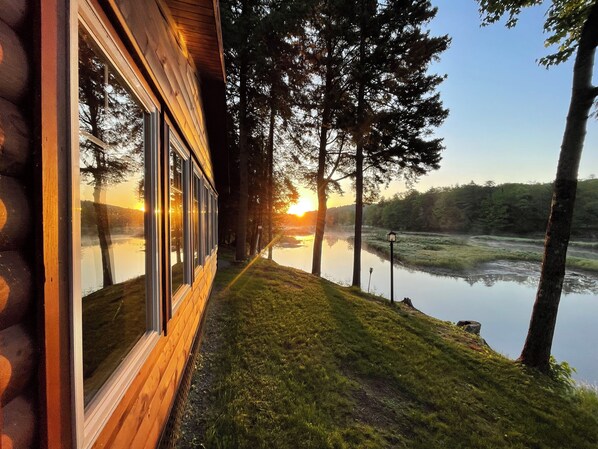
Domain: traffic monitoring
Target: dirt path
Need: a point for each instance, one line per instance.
(192, 427)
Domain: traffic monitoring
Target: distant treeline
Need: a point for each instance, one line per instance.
(120, 219)
(476, 209)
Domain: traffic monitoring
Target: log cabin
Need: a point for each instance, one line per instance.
(111, 112)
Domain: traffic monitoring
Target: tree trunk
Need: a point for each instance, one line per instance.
(536, 351)
(270, 174)
(358, 216)
(321, 182)
(241, 244)
(360, 131)
(103, 227)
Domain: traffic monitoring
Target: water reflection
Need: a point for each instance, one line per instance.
(500, 295)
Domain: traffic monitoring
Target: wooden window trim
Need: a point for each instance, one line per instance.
(174, 141)
(52, 122)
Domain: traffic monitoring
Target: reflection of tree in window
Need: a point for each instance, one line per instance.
(196, 228)
(111, 157)
(207, 223)
(177, 243)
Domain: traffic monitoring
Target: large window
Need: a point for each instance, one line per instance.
(197, 260)
(206, 221)
(113, 229)
(115, 264)
(179, 217)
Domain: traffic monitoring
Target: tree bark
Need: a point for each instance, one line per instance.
(321, 182)
(536, 351)
(241, 244)
(360, 131)
(358, 216)
(270, 173)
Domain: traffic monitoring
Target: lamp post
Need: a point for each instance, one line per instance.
(392, 237)
(370, 281)
(259, 238)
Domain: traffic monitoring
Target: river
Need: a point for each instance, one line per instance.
(499, 295)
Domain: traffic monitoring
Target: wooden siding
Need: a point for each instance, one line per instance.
(141, 415)
(173, 72)
(199, 22)
(18, 355)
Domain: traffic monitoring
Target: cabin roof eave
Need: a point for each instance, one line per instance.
(198, 22)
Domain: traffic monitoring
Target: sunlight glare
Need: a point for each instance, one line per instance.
(302, 206)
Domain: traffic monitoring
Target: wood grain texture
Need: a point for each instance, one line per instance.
(19, 419)
(199, 21)
(17, 362)
(15, 288)
(52, 229)
(14, 139)
(14, 67)
(173, 71)
(13, 12)
(14, 214)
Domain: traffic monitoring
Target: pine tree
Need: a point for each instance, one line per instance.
(395, 100)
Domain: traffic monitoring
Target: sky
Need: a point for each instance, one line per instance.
(507, 113)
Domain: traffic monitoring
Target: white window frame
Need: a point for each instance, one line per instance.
(206, 224)
(175, 143)
(89, 421)
(197, 174)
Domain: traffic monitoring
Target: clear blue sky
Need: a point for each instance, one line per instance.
(507, 113)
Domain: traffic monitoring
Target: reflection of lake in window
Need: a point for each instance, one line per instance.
(177, 236)
(113, 231)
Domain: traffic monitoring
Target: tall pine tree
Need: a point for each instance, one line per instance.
(395, 103)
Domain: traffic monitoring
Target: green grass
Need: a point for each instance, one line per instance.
(461, 253)
(303, 363)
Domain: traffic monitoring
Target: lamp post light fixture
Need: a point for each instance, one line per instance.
(392, 237)
(259, 238)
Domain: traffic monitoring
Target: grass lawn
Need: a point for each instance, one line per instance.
(294, 361)
(461, 252)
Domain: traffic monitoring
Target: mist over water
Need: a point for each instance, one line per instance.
(500, 295)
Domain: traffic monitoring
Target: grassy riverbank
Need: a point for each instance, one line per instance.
(461, 253)
(293, 361)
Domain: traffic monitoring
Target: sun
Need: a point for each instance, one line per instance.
(302, 206)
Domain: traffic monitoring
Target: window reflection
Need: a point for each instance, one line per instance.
(206, 223)
(113, 232)
(196, 229)
(177, 235)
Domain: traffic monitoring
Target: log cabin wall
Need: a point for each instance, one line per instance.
(34, 200)
(18, 339)
(142, 414)
(150, 35)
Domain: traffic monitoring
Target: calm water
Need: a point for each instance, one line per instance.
(126, 253)
(499, 295)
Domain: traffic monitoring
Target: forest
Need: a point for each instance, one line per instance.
(325, 91)
(505, 209)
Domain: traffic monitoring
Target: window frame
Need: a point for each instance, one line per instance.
(91, 419)
(197, 175)
(175, 142)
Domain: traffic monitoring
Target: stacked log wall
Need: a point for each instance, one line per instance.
(18, 348)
